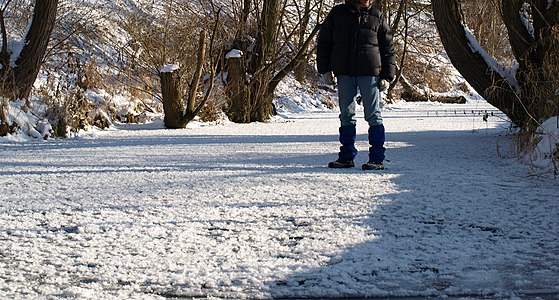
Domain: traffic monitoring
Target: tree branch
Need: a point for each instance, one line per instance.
(198, 73)
(293, 63)
(4, 55)
(520, 39)
(213, 71)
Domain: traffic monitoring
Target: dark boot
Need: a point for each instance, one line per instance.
(341, 164)
(376, 151)
(373, 166)
(347, 150)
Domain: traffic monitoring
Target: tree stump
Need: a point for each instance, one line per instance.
(239, 106)
(173, 105)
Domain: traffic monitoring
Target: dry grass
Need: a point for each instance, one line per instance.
(210, 112)
(426, 75)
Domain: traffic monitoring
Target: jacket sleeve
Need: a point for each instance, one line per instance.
(386, 47)
(324, 46)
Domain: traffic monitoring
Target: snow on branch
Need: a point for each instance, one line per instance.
(507, 73)
(526, 18)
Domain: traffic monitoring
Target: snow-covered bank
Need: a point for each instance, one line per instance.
(251, 211)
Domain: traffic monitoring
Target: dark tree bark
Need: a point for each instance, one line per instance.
(18, 81)
(248, 100)
(520, 39)
(173, 105)
(264, 60)
(237, 91)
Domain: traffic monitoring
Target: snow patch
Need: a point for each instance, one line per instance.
(526, 18)
(546, 154)
(234, 53)
(170, 68)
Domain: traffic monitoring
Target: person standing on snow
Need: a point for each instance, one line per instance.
(355, 45)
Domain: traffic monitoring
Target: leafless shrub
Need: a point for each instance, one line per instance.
(17, 14)
(543, 95)
(87, 48)
(68, 108)
(210, 112)
(418, 48)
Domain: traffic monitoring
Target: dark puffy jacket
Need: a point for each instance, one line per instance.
(356, 43)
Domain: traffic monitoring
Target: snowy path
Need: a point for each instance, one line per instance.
(251, 211)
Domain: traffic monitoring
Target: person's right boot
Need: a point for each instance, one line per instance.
(341, 164)
(348, 151)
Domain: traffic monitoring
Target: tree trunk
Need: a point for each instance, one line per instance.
(19, 81)
(262, 100)
(520, 39)
(4, 127)
(237, 91)
(533, 97)
(177, 114)
(173, 105)
(472, 65)
(264, 61)
(302, 65)
(191, 103)
(248, 100)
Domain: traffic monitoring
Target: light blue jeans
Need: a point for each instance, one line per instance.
(368, 87)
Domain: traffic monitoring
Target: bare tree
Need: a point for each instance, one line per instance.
(529, 96)
(251, 97)
(305, 13)
(19, 68)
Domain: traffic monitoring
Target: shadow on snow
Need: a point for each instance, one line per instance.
(461, 223)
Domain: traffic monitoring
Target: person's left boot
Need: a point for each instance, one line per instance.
(376, 149)
(373, 166)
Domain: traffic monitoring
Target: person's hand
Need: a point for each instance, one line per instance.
(328, 78)
(383, 85)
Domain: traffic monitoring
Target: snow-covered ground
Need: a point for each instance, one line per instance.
(252, 211)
